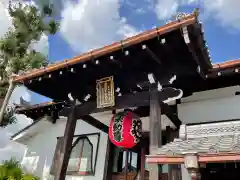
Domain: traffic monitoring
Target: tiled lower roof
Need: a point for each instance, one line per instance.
(220, 137)
(203, 145)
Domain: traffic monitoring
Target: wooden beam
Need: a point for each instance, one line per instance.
(140, 100)
(152, 54)
(122, 102)
(155, 132)
(204, 49)
(142, 111)
(191, 49)
(94, 122)
(66, 147)
(155, 122)
(169, 112)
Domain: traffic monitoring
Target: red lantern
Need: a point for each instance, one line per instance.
(125, 129)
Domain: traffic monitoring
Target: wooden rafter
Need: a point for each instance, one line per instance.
(140, 100)
(94, 122)
(152, 54)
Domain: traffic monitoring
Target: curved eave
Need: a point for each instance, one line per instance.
(164, 52)
(40, 110)
(191, 19)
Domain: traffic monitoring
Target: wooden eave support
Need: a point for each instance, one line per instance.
(169, 111)
(140, 99)
(94, 122)
(152, 54)
(122, 102)
(214, 73)
(187, 40)
(201, 44)
(171, 115)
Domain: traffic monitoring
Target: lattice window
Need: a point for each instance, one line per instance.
(83, 156)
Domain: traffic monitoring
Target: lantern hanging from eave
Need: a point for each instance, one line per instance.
(125, 129)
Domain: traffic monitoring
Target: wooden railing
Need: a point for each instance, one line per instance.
(133, 176)
(121, 176)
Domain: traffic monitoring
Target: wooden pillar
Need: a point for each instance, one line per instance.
(126, 164)
(155, 133)
(174, 171)
(66, 147)
(143, 159)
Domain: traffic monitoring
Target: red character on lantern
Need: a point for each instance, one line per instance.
(125, 129)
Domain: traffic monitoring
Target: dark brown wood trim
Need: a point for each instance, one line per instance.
(169, 112)
(142, 168)
(155, 132)
(66, 147)
(207, 158)
(123, 102)
(140, 99)
(94, 122)
(83, 135)
(107, 158)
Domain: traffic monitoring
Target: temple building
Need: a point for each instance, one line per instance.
(152, 106)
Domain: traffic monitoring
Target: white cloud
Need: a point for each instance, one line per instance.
(4, 20)
(225, 12)
(41, 45)
(90, 24)
(166, 8)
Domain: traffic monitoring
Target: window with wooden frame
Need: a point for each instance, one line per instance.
(83, 156)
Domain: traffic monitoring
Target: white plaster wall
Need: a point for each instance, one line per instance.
(208, 106)
(40, 151)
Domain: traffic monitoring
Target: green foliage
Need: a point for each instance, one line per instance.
(28, 27)
(11, 170)
(16, 52)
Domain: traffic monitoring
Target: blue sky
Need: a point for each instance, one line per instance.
(86, 25)
(222, 40)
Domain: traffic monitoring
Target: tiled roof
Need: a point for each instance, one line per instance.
(189, 19)
(203, 145)
(221, 137)
(40, 105)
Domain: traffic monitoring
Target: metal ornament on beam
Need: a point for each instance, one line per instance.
(105, 92)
